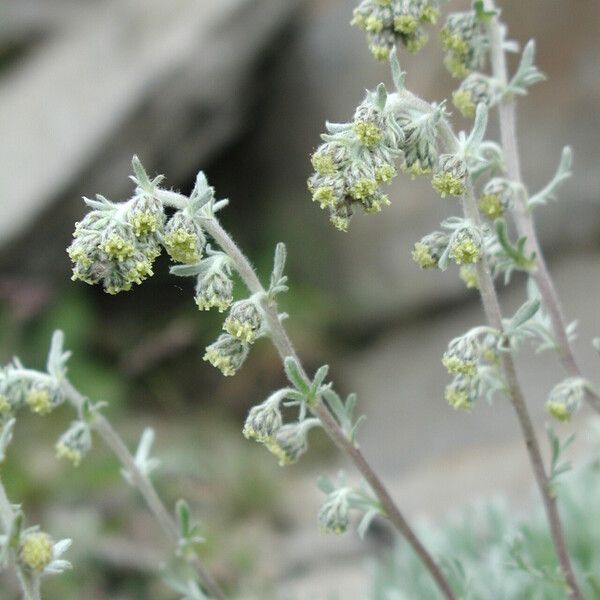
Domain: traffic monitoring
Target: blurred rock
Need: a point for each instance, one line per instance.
(104, 79)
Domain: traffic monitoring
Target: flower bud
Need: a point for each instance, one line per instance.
(227, 354)
(244, 320)
(214, 288)
(429, 250)
(36, 551)
(264, 421)
(75, 443)
(290, 441)
(184, 240)
(462, 393)
(334, 513)
(420, 144)
(464, 42)
(466, 245)
(497, 197)
(475, 89)
(462, 356)
(389, 23)
(566, 397)
(449, 180)
(42, 399)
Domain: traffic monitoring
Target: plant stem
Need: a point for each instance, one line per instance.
(142, 482)
(7, 517)
(494, 315)
(285, 348)
(522, 215)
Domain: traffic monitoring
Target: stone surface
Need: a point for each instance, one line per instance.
(115, 77)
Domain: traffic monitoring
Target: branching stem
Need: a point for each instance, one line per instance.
(285, 348)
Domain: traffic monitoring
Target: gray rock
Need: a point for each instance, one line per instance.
(118, 76)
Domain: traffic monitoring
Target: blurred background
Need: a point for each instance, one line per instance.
(241, 89)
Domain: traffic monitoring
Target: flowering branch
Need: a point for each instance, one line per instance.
(521, 212)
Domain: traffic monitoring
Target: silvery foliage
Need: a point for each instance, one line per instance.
(144, 462)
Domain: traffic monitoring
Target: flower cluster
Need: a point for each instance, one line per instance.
(21, 387)
(116, 243)
(566, 397)
(468, 358)
(243, 325)
(355, 160)
(464, 244)
(465, 42)
(389, 22)
(264, 424)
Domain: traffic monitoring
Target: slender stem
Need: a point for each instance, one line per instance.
(522, 215)
(494, 315)
(285, 348)
(142, 482)
(30, 589)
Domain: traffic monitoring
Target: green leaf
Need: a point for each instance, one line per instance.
(381, 96)
(295, 376)
(141, 177)
(479, 127)
(485, 16)
(183, 516)
(524, 314)
(398, 75)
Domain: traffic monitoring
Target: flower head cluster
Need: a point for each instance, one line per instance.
(475, 89)
(466, 359)
(243, 325)
(465, 42)
(116, 244)
(389, 22)
(497, 197)
(566, 397)
(287, 441)
(21, 387)
(355, 160)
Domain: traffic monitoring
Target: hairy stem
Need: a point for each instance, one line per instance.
(494, 315)
(285, 348)
(522, 215)
(143, 484)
